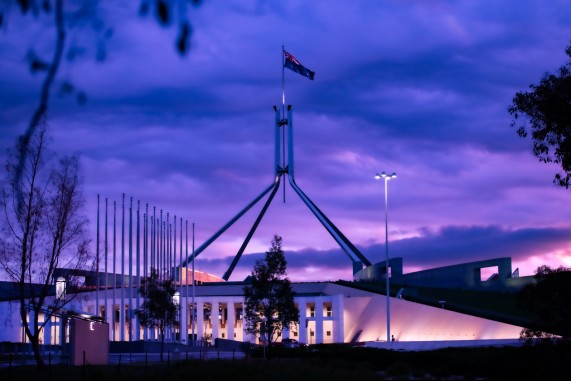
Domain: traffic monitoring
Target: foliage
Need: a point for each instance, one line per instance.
(549, 301)
(38, 211)
(165, 11)
(159, 309)
(42, 230)
(548, 109)
(269, 301)
(531, 336)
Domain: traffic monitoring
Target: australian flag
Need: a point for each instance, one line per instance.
(292, 63)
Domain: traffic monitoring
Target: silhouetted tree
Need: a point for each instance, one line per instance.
(549, 301)
(269, 301)
(159, 309)
(547, 107)
(42, 229)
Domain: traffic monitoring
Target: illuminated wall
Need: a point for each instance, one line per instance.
(329, 313)
(417, 322)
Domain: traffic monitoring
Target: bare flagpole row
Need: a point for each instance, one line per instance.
(150, 242)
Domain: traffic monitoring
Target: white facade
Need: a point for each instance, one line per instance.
(329, 313)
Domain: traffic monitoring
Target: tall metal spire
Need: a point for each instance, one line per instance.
(281, 169)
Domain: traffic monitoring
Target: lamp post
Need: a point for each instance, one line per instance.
(386, 177)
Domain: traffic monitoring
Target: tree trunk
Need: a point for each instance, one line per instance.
(34, 340)
(269, 341)
(33, 337)
(162, 329)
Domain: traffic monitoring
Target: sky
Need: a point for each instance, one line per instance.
(420, 88)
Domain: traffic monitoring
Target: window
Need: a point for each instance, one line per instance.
(311, 311)
(329, 313)
(489, 273)
(328, 333)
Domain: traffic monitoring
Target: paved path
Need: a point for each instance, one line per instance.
(211, 354)
(126, 358)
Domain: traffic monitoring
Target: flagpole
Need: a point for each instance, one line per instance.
(106, 308)
(122, 311)
(97, 312)
(114, 320)
(283, 114)
(194, 312)
(138, 269)
(283, 82)
(129, 315)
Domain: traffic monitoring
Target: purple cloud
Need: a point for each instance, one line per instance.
(420, 88)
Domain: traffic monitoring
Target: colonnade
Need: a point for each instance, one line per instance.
(321, 321)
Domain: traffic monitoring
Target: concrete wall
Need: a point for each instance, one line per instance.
(411, 321)
(464, 275)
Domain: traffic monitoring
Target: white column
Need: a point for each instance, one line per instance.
(48, 330)
(302, 338)
(245, 335)
(122, 319)
(231, 319)
(135, 321)
(31, 322)
(199, 320)
(109, 318)
(215, 321)
(153, 333)
(338, 319)
(183, 320)
(319, 320)
(285, 333)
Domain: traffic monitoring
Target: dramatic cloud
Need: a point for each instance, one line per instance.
(419, 88)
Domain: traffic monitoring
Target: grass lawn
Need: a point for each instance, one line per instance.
(335, 362)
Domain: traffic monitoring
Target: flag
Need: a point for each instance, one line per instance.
(292, 63)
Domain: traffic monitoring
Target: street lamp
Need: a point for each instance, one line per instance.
(383, 175)
(60, 290)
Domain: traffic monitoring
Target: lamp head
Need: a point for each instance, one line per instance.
(384, 175)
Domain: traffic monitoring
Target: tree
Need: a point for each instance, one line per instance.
(42, 230)
(29, 224)
(269, 301)
(159, 309)
(548, 109)
(549, 301)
